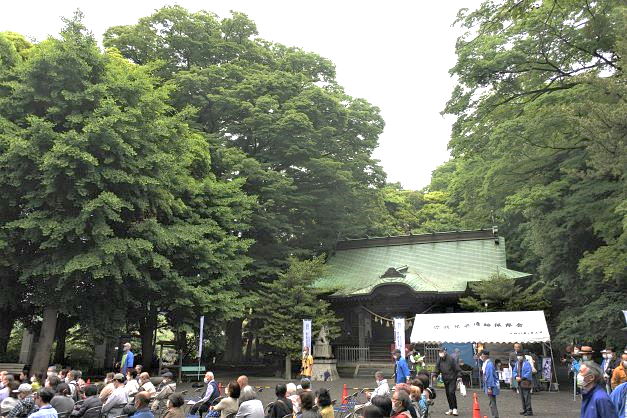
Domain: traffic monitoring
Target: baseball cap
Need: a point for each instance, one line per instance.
(119, 377)
(24, 387)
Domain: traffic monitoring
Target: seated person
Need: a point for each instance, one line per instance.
(92, 400)
(166, 388)
(62, 401)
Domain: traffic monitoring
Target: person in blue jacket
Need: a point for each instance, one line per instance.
(523, 375)
(402, 369)
(618, 399)
(595, 402)
(491, 385)
(128, 358)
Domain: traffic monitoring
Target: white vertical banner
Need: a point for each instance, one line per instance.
(200, 336)
(399, 335)
(307, 334)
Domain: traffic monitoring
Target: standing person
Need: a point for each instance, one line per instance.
(451, 373)
(512, 361)
(490, 382)
(416, 360)
(128, 358)
(42, 400)
(618, 398)
(608, 365)
(402, 369)
(306, 368)
(523, 375)
(619, 375)
(595, 402)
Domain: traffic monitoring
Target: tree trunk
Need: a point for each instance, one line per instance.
(44, 343)
(63, 323)
(7, 319)
(147, 329)
(288, 367)
(233, 353)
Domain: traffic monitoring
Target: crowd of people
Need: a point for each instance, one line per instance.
(603, 387)
(130, 391)
(65, 394)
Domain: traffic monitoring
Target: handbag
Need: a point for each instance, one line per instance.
(525, 384)
(462, 388)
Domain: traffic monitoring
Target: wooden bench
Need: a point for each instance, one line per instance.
(12, 368)
(193, 371)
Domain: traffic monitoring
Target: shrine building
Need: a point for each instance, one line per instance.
(371, 281)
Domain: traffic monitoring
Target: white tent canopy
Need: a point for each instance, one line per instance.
(487, 327)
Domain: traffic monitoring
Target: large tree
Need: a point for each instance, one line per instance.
(278, 120)
(538, 145)
(117, 204)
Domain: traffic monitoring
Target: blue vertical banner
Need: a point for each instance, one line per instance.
(399, 335)
(307, 334)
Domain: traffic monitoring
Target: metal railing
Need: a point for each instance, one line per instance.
(346, 354)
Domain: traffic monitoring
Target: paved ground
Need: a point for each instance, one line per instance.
(545, 404)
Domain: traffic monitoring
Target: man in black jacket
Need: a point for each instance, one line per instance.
(451, 373)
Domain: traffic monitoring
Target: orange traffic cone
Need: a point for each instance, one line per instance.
(344, 394)
(476, 412)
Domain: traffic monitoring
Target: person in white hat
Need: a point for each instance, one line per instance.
(26, 404)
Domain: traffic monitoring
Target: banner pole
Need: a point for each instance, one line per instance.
(200, 338)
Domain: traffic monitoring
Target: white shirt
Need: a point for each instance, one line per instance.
(149, 387)
(132, 387)
(383, 389)
(250, 409)
(118, 397)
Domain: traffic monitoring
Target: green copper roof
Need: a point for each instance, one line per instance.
(443, 262)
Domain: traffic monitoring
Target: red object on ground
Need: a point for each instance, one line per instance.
(344, 394)
(476, 412)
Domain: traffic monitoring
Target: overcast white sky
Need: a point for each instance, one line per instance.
(395, 54)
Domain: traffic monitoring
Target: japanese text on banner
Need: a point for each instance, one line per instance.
(399, 334)
(307, 333)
